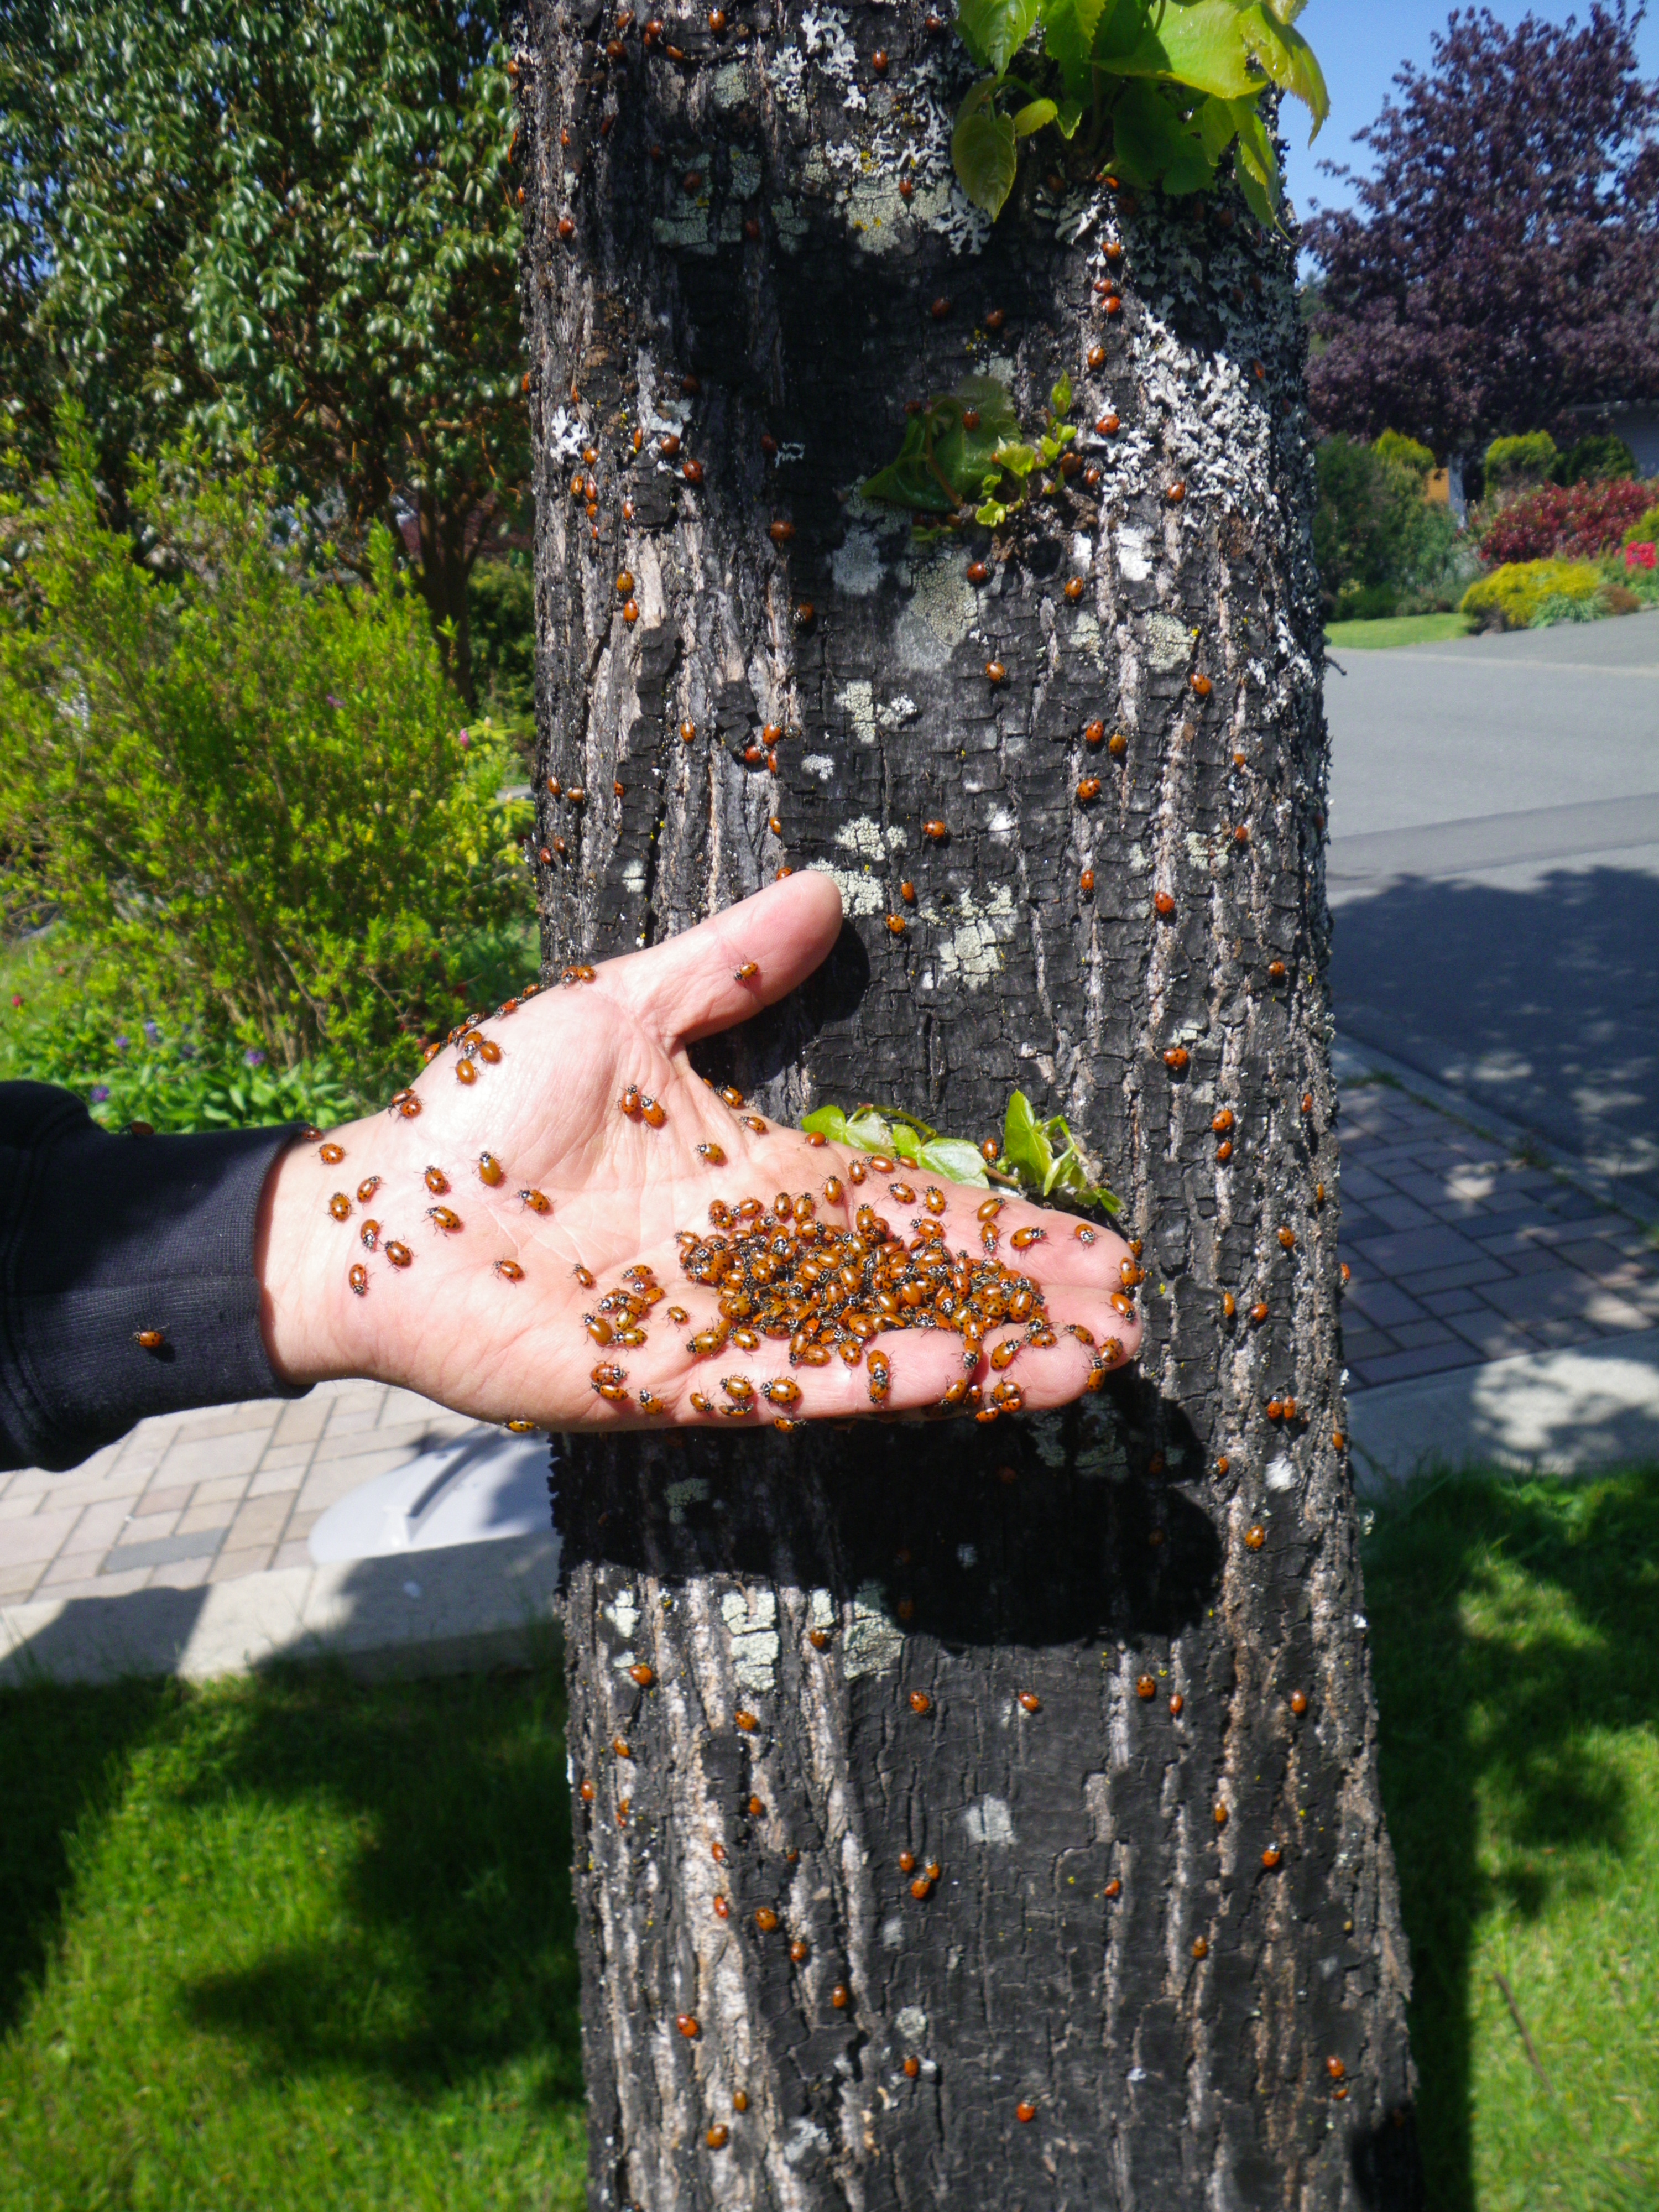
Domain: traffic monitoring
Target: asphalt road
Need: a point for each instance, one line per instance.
(1494, 867)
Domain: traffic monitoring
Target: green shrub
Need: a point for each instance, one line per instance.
(1644, 531)
(1367, 603)
(1393, 446)
(1527, 459)
(501, 604)
(1601, 459)
(1374, 533)
(238, 782)
(1521, 590)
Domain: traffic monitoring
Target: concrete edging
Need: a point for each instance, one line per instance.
(428, 1613)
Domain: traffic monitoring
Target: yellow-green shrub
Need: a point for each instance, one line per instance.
(240, 781)
(1518, 590)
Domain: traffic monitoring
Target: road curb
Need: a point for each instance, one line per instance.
(1565, 1412)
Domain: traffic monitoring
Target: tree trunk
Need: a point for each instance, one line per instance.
(1165, 1915)
(440, 579)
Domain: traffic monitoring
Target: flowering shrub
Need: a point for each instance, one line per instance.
(1640, 556)
(1520, 590)
(1577, 521)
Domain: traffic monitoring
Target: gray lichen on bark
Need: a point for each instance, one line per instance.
(744, 275)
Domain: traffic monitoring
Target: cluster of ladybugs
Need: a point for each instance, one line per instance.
(780, 1273)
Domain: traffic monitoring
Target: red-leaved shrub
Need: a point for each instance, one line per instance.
(1578, 522)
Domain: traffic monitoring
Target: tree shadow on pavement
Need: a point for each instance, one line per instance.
(1541, 1003)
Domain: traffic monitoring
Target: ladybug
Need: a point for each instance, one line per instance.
(509, 1271)
(149, 1340)
(491, 1169)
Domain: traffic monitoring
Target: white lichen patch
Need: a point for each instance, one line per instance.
(751, 1623)
(678, 1495)
(989, 1822)
(873, 1642)
(790, 226)
(623, 1614)
(1169, 643)
(818, 764)
(565, 435)
(632, 874)
(1281, 1475)
(898, 710)
(1134, 560)
(892, 1933)
(820, 1609)
(969, 949)
(824, 34)
(868, 839)
(876, 214)
(859, 893)
(730, 88)
(855, 564)
(688, 230)
(912, 2023)
(1086, 638)
(860, 700)
(1044, 1431)
(942, 596)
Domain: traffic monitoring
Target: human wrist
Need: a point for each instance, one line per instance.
(311, 1332)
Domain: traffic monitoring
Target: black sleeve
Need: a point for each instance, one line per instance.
(104, 1237)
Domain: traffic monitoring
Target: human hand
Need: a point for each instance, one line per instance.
(471, 1293)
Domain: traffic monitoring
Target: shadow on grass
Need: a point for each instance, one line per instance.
(455, 1950)
(64, 1763)
(1500, 1722)
(444, 1945)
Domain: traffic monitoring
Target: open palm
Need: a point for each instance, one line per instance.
(511, 1202)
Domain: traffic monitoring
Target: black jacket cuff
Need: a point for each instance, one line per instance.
(104, 1237)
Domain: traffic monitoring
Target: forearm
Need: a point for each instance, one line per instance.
(108, 1239)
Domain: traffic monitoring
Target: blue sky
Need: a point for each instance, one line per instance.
(1360, 44)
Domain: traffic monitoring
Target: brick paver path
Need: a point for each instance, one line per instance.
(1459, 1252)
(1463, 1254)
(206, 1497)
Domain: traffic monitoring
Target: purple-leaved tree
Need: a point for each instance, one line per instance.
(1502, 263)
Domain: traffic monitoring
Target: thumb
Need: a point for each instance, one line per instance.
(723, 971)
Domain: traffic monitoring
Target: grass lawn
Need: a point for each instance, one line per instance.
(288, 1943)
(1400, 630)
(298, 1943)
(1515, 1643)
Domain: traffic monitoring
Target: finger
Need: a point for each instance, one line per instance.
(697, 982)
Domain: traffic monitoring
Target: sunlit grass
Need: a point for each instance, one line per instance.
(302, 1944)
(1515, 1628)
(1400, 630)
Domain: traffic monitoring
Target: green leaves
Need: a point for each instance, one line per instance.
(1040, 1157)
(958, 444)
(279, 832)
(994, 31)
(1173, 85)
(983, 150)
(1044, 1156)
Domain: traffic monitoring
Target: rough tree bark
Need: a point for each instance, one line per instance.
(1171, 1929)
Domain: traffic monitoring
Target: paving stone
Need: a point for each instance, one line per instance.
(1401, 1212)
(230, 1566)
(1464, 1277)
(1419, 1335)
(1443, 1304)
(301, 1420)
(260, 1520)
(166, 1497)
(71, 1567)
(221, 1490)
(1361, 1183)
(1434, 1359)
(1410, 1251)
(38, 1538)
(101, 1526)
(20, 1581)
(18, 1508)
(162, 1552)
(270, 1480)
(183, 1574)
(98, 1586)
(199, 1520)
(1382, 1302)
(204, 1459)
(1562, 1294)
(1490, 1334)
(1359, 1345)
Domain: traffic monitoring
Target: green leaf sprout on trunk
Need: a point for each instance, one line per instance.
(1039, 1159)
(1161, 89)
